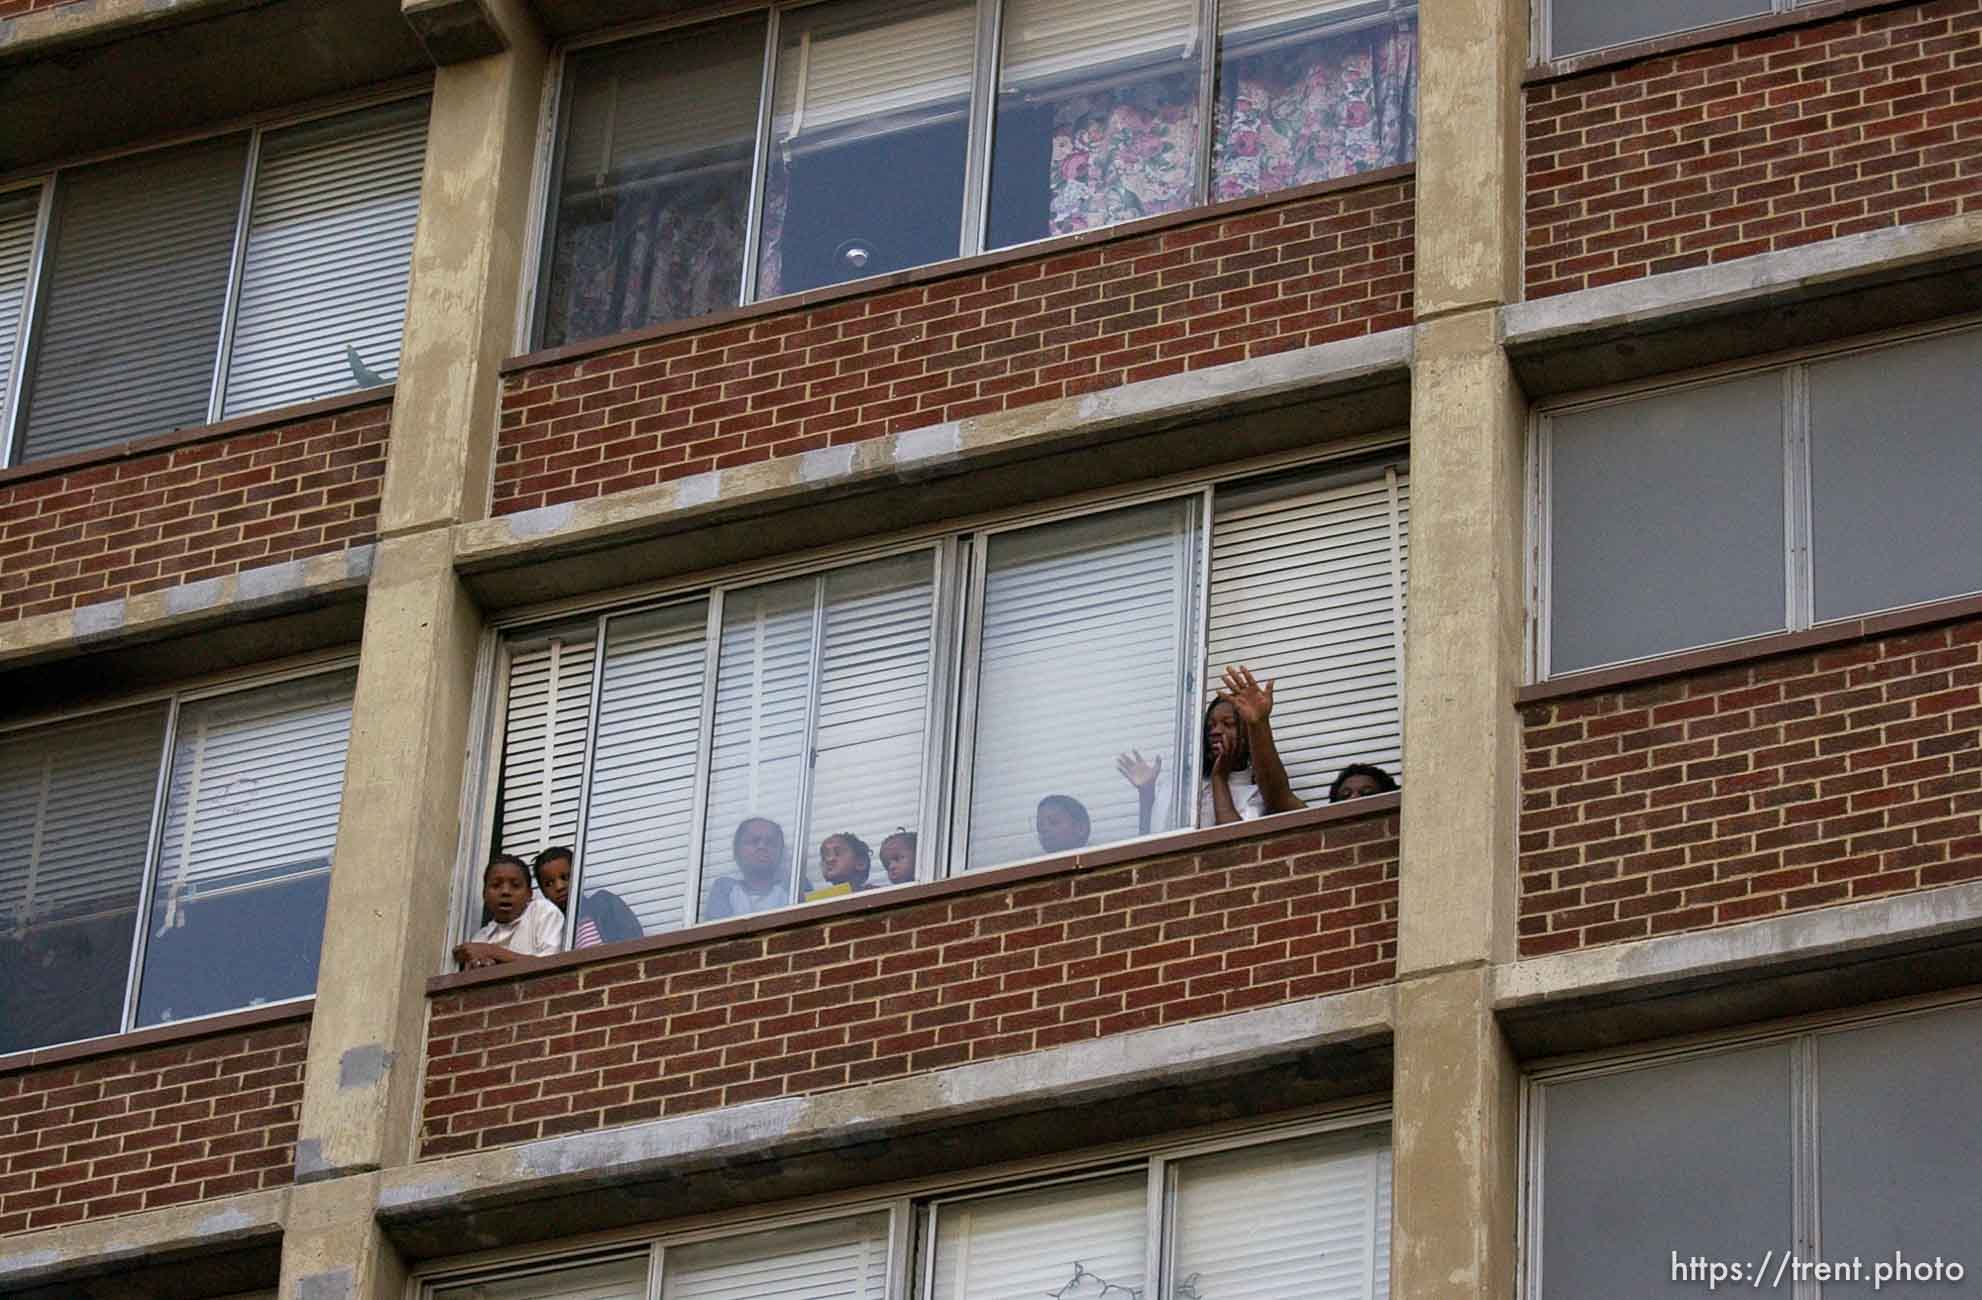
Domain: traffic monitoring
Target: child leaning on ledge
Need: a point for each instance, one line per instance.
(520, 925)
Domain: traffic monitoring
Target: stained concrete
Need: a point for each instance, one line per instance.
(206, 1248)
(333, 1249)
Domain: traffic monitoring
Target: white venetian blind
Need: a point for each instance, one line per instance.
(257, 777)
(17, 221)
(677, 96)
(621, 1279)
(1033, 1243)
(75, 816)
(642, 809)
(330, 244)
(140, 258)
(1307, 588)
(873, 698)
(1085, 646)
(838, 65)
(1048, 40)
(1240, 17)
(1299, 1218)
(547, 723)
(841, 1259)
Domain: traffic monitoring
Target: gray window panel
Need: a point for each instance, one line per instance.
(1580, 25)
(1898, 1146)
(140, 258)
(1666, 523)
(1895, 472)
(1692, 1157)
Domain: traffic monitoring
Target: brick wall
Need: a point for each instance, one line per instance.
(192, 512)
(913, 987)
(1754, 145)
(15, 8)
(1325, 267)
(1788, 784)
(142, 1129)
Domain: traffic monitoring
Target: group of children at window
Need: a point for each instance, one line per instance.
(1244, 779)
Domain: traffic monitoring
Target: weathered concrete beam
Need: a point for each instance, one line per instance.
(1759, 970)
(1154, 1080)
(230, 1238)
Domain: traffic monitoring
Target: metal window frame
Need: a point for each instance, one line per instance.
(24, 332)
(1541, 28)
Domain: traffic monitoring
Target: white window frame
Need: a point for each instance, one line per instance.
(13, 434)
(907, 1204)
(174, 700)
(1802, 1033)
(958, 594)
(1542, 27)
(977, 152)
(1797, 558)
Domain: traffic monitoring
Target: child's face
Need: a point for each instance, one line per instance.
(1058, 831)
(898, 856)
(1359, 786)
(838, 863)
(554, 878)
(505, 892)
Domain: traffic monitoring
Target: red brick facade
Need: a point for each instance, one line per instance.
(1783, 139)
(15, 8)
(141, 1129)
(203, 510)
(1329, 266)
(916, 986)
(1795, 782)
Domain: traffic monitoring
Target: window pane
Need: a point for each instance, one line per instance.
(1304, 591)
(1898, 1145)
(623, 1279)
(844, 1259)
(1085, 641)
(1309, 90)
(330, 243)
(75, 825)
(1895, 472)
(1040, 1242)
(639, 823)
(653, 191)
(868, 137)
(1692, 1157)
(1097, 115)
(17, 220)
(1287, 1219)
(1581, 25)
(1666, 523)
(244, 861)
(547, 719)
(141, 251)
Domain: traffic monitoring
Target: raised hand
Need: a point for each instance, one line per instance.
(1137, 770)
(1250, 700)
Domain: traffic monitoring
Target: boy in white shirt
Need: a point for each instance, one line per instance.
(520, 925)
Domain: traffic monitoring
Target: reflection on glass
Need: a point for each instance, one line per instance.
(1084, 646)
(1074, 1239)
(868, 136)
(621, 1279)
(1309, 90)
(821, 695)
(75, 823)
(654, 187)
(840, 1259)
(1097, 117)
(244, 858)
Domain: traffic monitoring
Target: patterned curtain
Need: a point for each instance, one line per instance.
(1123, 153)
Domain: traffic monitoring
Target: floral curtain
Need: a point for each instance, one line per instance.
(1123, 153)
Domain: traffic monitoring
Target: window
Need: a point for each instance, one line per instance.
(1776, 500)
(697, 752)
(133, 896)
(1849, 1142)
(1255, 1218)
(212, 279)
(1581, 26)
(834, 141)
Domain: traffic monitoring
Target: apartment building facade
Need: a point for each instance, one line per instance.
(687, 434)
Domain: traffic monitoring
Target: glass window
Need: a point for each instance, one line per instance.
(1579, 26)
(139, 278)
(1070, 1238)
(840, 1259)
(620, 1279)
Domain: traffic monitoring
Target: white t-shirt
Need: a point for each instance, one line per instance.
(539, 932)
(1246, 798)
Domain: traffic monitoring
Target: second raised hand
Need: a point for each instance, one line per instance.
(1252, 701)
(1137, 770)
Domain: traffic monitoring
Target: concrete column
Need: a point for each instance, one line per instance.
(333, 1250)
(467, 279)
(1456, 1088)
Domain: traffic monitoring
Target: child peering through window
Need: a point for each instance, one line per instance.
(602, 916)
(519, 925)
(1359, 780)
(846, 862)
(1244, 777)
(898, 856)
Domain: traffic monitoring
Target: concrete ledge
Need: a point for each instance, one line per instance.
(1759, 970)
(1252, 1063)
(235, 1228)
(1302, 398)
(1748, 307)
